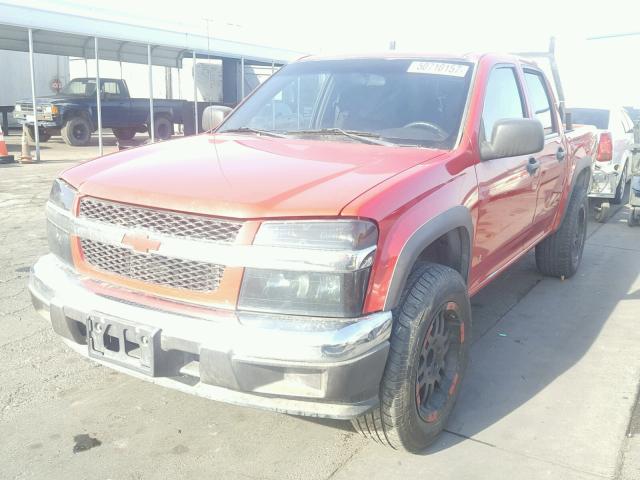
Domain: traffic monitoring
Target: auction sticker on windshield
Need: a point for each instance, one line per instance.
(439, 68)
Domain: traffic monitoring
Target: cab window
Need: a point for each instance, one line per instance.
(111, 89)
(540, 100)
(502, 99)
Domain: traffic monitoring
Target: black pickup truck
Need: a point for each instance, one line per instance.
(73, 113)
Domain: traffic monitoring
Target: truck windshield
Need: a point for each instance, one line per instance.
(399, 101)
(81, 87)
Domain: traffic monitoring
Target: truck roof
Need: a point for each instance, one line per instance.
(472, 57)
(102, 79)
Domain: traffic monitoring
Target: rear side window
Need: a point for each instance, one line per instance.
(590, 116)
(502, 99)
(111, 88)
(540, 102)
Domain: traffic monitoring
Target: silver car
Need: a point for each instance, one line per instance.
(613, 162)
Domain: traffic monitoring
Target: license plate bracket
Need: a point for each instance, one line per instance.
(129, 345)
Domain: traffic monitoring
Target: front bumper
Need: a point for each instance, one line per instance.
(44, 120)
(297, 365)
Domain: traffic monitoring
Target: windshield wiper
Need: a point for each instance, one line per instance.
(364, 137)
(267, 133)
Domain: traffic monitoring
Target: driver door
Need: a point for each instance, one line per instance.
(115, 106)
(507, 191)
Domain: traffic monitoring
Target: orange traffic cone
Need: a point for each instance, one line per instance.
(25, 156)
(4, 153)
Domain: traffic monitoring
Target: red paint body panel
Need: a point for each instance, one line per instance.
(245, 176)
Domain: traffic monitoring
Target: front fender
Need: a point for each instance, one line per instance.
(451, 219)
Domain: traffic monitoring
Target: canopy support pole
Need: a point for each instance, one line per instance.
(242, 79)
(151, 119)
(98, 98)
(195, 93)
(33, 96)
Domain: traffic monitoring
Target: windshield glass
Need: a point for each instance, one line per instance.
(590, 116)
(403, 101)
(83, 87)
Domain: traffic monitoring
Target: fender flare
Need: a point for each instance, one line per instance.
(79, 112)
(584, 163)
(451, 219)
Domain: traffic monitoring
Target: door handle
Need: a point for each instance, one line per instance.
(560, 154)
(532, 166)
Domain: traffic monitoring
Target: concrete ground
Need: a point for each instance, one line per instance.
(549, 393)
(55, 150)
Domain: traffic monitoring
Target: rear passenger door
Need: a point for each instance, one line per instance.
(552, 158)
(507, 191)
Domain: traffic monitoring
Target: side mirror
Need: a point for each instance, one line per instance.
(213, 116)
(512, 137)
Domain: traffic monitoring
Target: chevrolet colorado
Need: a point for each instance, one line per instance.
(315, 252)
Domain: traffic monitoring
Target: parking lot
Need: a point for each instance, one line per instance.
(549, 393)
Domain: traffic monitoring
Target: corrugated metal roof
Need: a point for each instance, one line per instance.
(72, 35)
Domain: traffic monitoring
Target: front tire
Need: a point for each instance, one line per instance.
(76, 131)
(426, 363)
(559, 254)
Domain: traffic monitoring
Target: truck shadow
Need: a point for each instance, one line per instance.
(515, 356)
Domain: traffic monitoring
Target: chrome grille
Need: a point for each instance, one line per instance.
(160, 221)
(28, 108)
(152, 268)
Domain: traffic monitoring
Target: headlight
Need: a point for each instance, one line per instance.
(323, 294)
(62, 194)
(322, 234)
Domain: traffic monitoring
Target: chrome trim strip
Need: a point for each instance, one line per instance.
(229, 255)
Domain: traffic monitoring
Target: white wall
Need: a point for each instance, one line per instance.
(15, 82)
(137, 77)
(209, 77)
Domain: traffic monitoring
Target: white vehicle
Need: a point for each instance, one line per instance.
(613, 161)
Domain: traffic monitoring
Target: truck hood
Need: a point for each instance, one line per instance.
(51, 99)
(244, 176)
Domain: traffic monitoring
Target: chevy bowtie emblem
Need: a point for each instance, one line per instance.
(140, 242)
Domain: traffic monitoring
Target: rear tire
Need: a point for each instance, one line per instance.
(163, 128)
(622, 185)
(426, 363)
(601, 213)
(124, 133)
(559, 255)
(76, 131)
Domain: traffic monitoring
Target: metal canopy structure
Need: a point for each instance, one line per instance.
(72, 35)
(42, 30)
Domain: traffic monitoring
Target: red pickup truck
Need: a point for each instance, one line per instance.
(315, 252)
